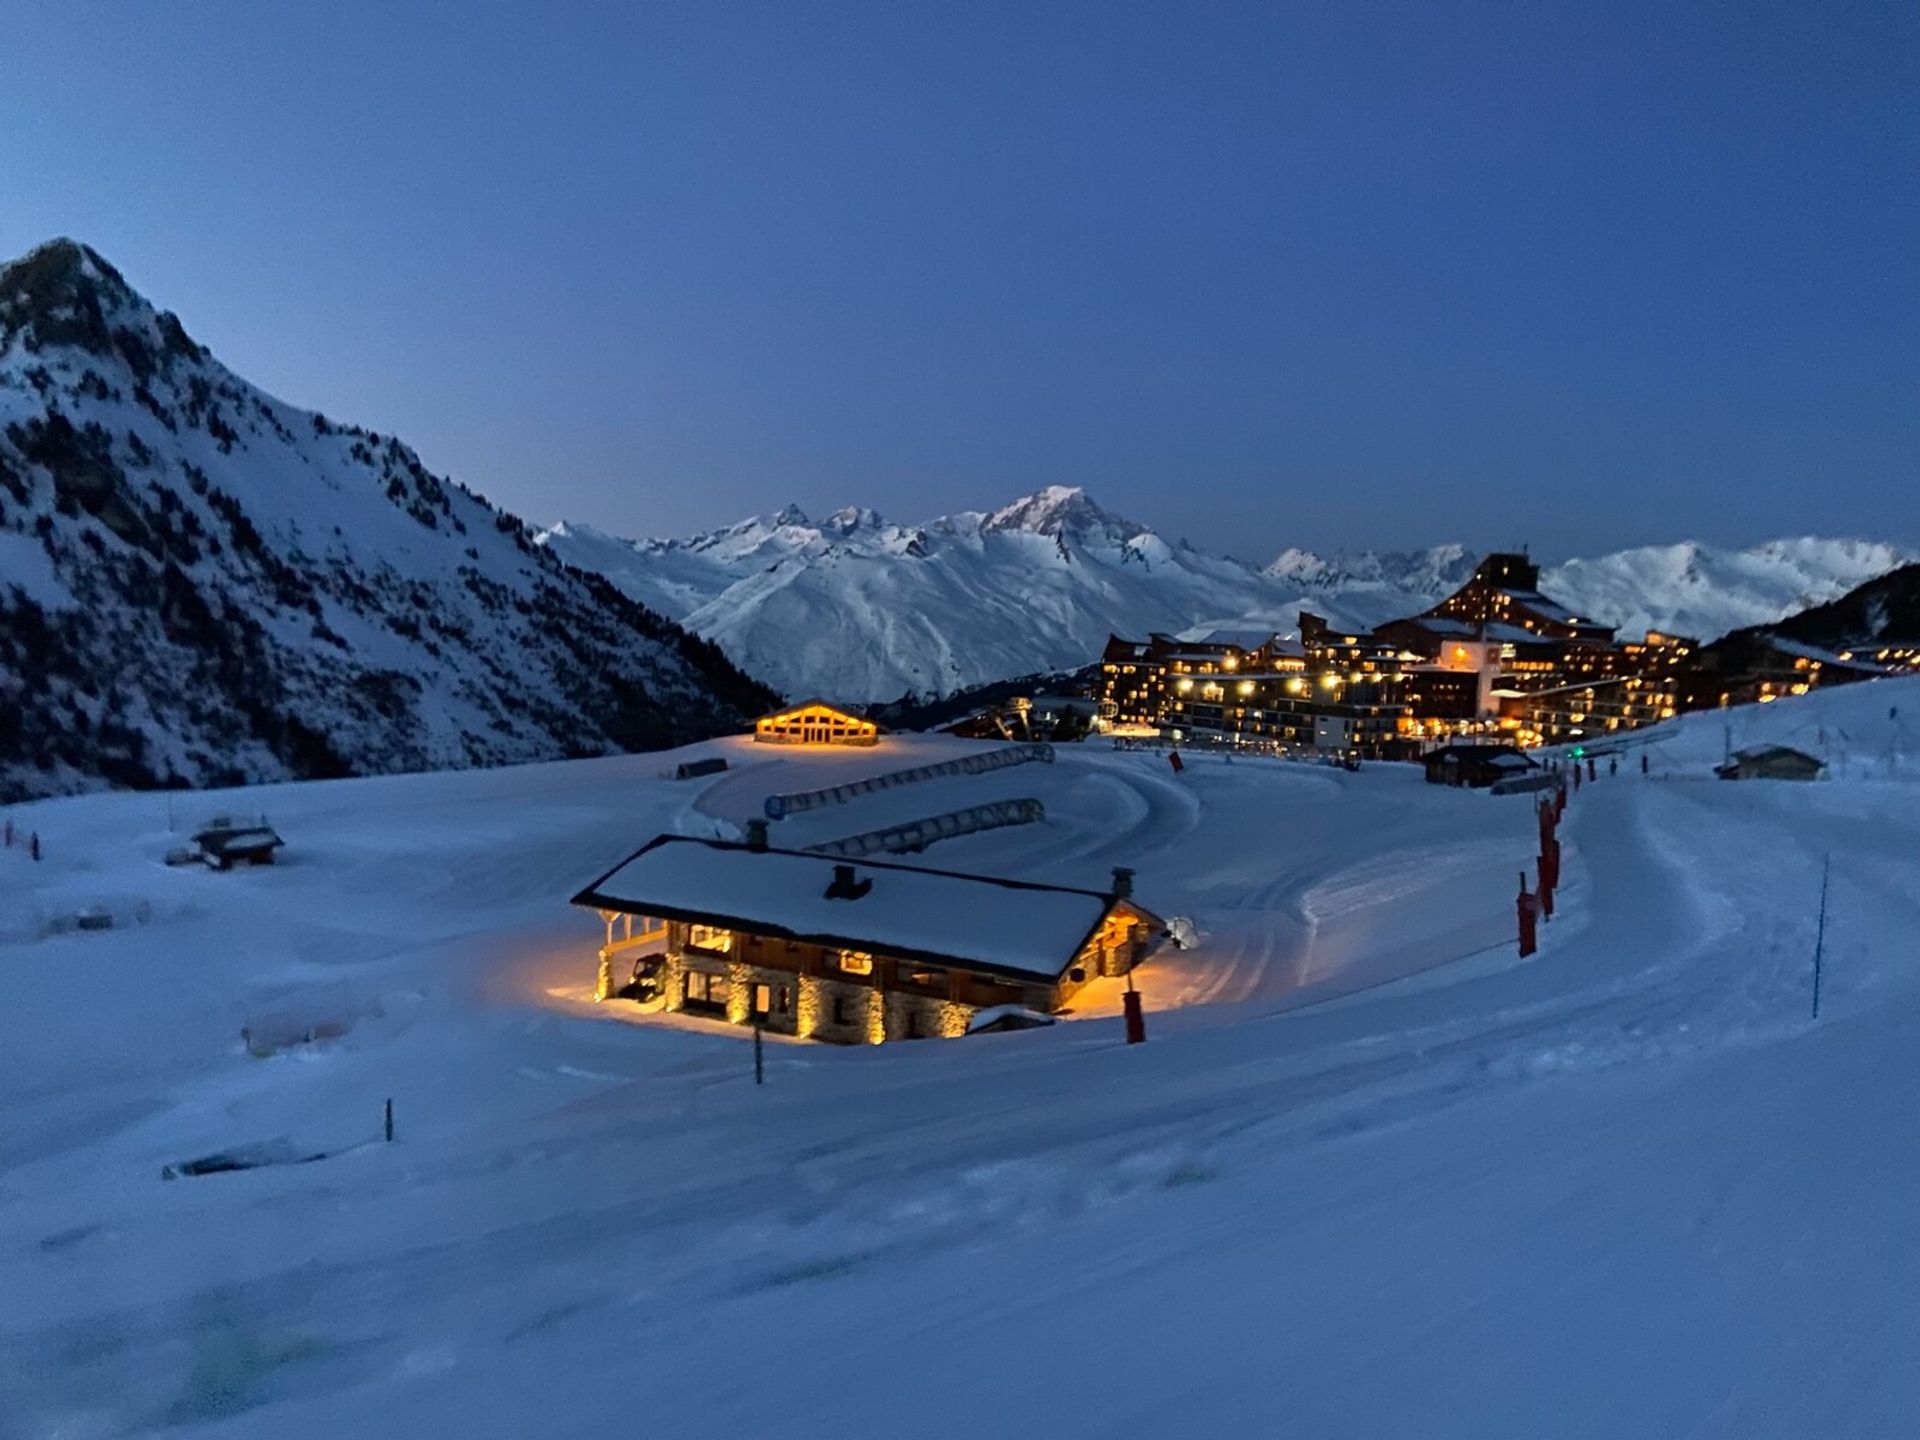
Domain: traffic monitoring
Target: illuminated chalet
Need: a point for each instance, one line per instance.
(815, 722)
(806, 945)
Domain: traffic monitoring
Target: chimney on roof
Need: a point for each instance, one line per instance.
(1122, 882)
(756, 835)
(845, 887)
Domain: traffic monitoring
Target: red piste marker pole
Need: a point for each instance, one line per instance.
(1529, 922)
(1136, 1017)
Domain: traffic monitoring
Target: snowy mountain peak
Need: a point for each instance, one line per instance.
(1063, 511)
(64, 295)
(57, 275)
(852, 520)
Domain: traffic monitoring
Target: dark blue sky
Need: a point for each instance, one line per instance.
(1577, 274)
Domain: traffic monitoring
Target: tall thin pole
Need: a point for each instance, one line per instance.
(759, 1065)
(1820, 934)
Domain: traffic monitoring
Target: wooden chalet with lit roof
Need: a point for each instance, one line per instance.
(815, 722)
(818, 948)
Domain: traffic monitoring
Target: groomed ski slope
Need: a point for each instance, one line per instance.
(1370, 1176)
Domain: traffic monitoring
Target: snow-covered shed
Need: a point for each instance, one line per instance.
(1771, 762)
(226, 843)
(822, 948)
(1476, 766)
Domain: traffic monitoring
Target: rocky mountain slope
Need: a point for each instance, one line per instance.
(1884, 611)
(202, 585)
(860, 608)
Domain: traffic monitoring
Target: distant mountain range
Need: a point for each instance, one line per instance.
(202, 585)
(859, 608)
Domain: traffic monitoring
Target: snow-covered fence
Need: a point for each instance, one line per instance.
(918, 834)
(780, 806)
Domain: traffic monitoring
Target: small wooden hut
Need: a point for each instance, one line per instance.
(1771, 762)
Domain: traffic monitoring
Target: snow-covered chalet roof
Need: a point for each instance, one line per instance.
(1768, 752)
(235, 838)
(974, 922)
(1825, 657)
(1240, 639)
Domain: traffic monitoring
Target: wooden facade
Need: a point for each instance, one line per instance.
(814, 722)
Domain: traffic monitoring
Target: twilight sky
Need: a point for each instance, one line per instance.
(1580, 275)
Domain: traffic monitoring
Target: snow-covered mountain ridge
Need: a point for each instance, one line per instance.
(864, 609)
(200, 584)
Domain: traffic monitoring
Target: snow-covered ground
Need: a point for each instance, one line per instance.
(1371, 1176)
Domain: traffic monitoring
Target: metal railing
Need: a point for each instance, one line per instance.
(918, 834)
(778, 807)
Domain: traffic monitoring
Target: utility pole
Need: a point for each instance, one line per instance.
(1820, 934)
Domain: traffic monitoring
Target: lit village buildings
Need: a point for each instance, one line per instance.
(1496, 658)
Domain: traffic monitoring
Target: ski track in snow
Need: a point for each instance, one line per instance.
(1437, 1190)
